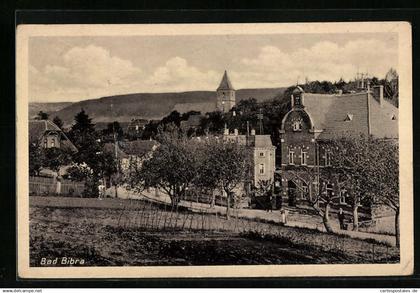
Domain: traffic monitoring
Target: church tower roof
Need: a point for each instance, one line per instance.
(225, 84)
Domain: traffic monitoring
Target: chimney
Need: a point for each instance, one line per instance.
(252, 131)
(235, 132)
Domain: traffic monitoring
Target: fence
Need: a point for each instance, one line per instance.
(48, 186)
(149, 215)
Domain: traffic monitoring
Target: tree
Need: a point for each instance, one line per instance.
(57, 121)
(90, 150)
(350, 156)
(226, 166)
(369, 170)
(36, 159)
(172, 168)
(383, 173)
(84, 137)
(42, 115)
(113, 131)
(54, 158)
(323, 195)
(366, 167)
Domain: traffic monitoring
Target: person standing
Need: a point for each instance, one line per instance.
(341, 219)
(101, 190)
(283, 214)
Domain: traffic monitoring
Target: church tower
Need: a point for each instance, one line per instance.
(225, 95)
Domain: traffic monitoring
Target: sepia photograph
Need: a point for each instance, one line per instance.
(191, 150)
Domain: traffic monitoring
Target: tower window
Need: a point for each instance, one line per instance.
(262, 170)
(297, 100)
(297, 125)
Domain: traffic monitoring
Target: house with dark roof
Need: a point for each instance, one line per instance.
(132, 152)
(317, 118)
(192, 123)
(46, 134)
(135, 127)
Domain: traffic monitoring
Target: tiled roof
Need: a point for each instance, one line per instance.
(137, 147)
(225, 84)
(262, 141)
(331, 113)
(258, 141)
(193, 121)
(38, 128)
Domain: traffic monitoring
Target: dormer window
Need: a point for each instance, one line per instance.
(349, 117)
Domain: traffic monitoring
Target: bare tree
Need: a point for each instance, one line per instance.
(172, 168)
(225, 166)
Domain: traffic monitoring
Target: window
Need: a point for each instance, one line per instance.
(329, 190)
(304, 191)
(45, 143)
(53, 142)
(262, 169)
(291, 157)
(327, 158)
(303, 155)
(343, 196)
(394, 117)
(297, 125)
(261, 154)
(297, 100)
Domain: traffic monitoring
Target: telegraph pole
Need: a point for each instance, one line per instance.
(260, 120)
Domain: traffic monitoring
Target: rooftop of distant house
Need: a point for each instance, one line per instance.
(38, 128)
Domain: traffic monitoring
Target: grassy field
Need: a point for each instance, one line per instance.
(115, 232)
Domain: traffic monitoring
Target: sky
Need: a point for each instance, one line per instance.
(70, 69)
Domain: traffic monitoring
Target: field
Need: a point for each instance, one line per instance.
(115, 232)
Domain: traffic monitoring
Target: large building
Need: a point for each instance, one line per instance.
(317, 118)
(225, 95)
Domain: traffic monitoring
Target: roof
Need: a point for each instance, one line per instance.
(257, 141)
(38, 128)
(350, 113)
(193, 121)
(137, 147)
(261, 141)
(225, 84)
(330, 112)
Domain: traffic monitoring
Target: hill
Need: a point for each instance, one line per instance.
(154, 105)
(34, 108)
